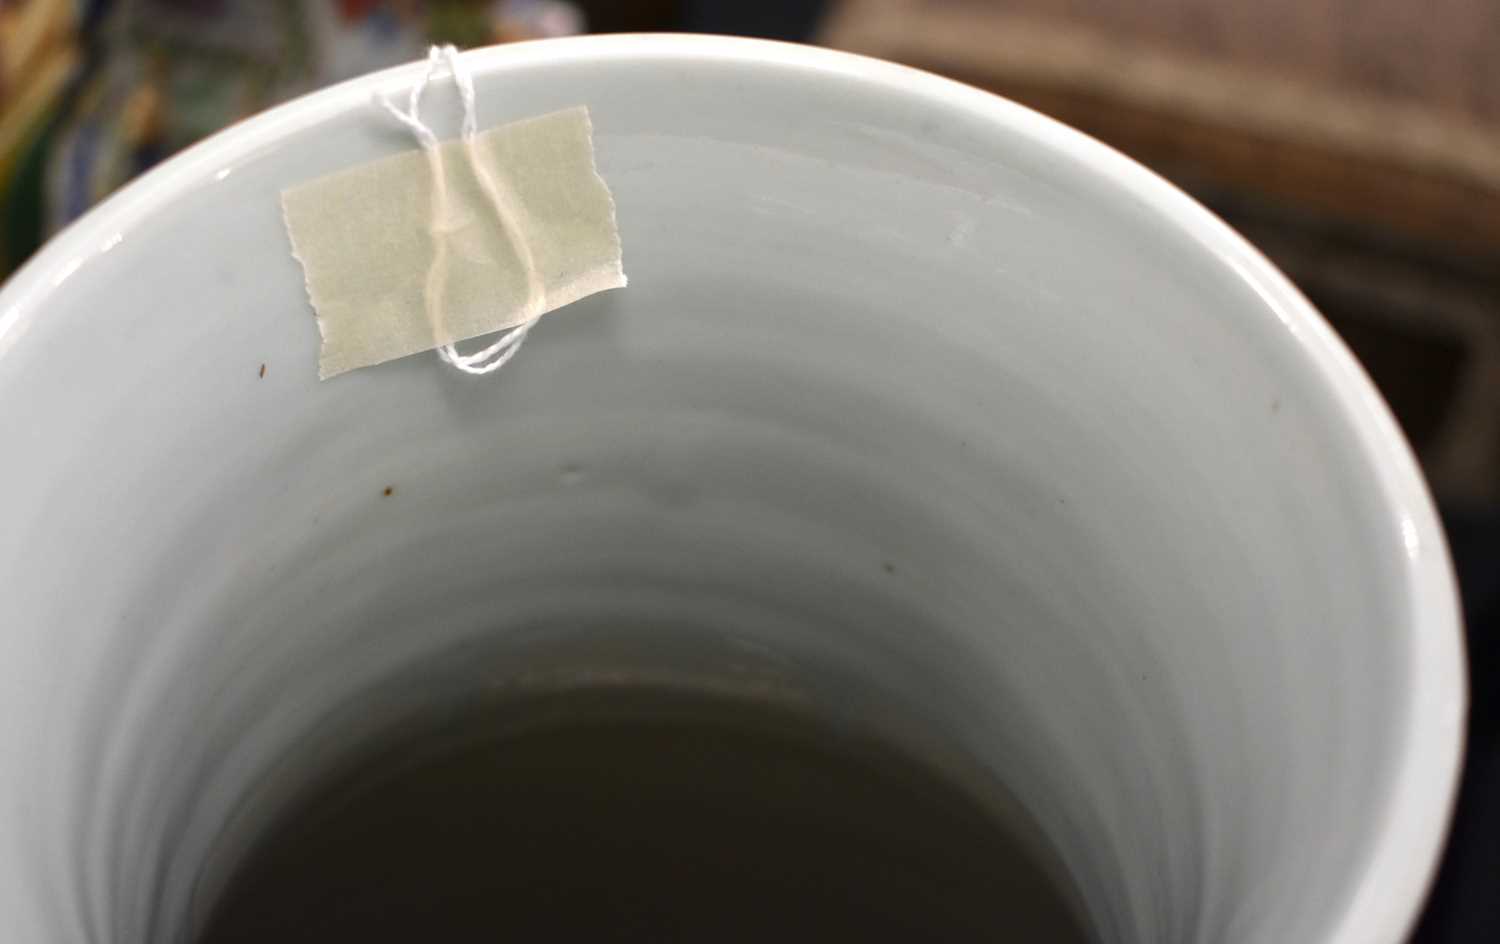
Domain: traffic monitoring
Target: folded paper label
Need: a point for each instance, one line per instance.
(475, 235)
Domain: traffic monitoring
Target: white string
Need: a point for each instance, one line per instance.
(505, 348)
(465, 83)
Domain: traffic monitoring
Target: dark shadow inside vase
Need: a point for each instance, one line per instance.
(639, 814)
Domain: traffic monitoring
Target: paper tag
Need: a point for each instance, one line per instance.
(411, 252)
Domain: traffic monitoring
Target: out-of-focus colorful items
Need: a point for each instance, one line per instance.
(38, 57)
(93, 93)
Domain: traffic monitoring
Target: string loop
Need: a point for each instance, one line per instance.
(498, 354)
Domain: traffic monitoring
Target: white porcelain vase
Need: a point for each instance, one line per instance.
(919, 406)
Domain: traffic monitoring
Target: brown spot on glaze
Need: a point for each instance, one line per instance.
(263, 370)
(389, 490)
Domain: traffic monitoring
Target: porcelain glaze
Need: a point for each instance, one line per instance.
(918, 404)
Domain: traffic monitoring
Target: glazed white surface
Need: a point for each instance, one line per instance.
(912, 389)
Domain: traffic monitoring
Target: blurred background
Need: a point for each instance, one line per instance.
(1356, 142)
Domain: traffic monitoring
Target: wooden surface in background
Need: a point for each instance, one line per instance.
(1439, 54)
